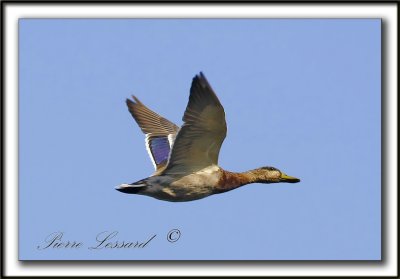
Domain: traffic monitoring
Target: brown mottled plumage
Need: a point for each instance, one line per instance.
(186, 159)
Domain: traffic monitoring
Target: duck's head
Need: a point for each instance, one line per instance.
(272, 175)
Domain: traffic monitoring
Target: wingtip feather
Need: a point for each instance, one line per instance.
(136, 99)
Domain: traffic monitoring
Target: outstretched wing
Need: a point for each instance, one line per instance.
(160, 132)
(199, 140)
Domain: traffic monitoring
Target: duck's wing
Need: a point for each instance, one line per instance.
(199, 140)
(160, 132)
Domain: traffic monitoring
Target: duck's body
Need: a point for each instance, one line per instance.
(189, 187)
(186, 159)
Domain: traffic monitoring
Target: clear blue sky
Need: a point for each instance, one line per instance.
(300, 95)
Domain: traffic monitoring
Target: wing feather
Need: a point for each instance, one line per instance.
(159, 132)
(199, 140)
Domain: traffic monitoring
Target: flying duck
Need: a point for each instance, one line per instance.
(186, 158)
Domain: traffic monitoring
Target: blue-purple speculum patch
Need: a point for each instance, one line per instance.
(160, 149)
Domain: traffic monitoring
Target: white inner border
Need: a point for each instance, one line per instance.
(13, 12)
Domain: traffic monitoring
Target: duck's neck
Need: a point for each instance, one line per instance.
(232, 180)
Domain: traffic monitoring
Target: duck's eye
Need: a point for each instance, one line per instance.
(270, 168)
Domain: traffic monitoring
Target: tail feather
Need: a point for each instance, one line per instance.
(132, 188)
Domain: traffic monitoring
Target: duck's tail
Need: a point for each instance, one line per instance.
(133, 188)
